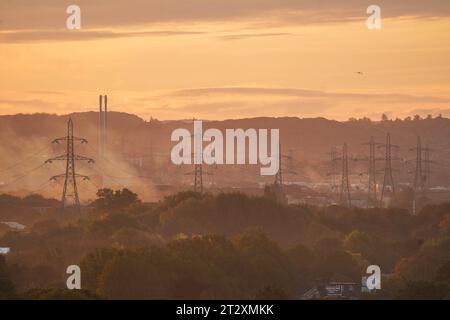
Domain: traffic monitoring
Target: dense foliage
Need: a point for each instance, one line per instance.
(195, 246)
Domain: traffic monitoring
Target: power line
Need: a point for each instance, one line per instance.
(116, 166)
(40, 186)
(111, 177)
(24, 160)
(23, 175)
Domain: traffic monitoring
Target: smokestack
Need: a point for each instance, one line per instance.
(100, 126)
(106, 121)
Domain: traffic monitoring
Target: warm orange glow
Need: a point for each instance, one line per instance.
(405, 69)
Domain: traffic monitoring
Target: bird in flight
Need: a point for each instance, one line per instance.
(359, 72)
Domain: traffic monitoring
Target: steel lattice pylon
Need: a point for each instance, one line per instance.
(372, 185)
(279, 175)
(422, 175)
(419, 177)
(70, 190)
(388, 178)
(198, 179)
(344, 197)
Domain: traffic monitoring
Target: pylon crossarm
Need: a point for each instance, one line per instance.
(59, 139)
(83, 158)
(63, 175)
(82, 140)
(61, 157)
(82, 176)
(54, 178)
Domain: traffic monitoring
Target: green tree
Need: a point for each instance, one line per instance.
(302, 261)
(423, 290)
(443, 273)
(108, 199)
(267, 264)
(333, 262)
(372, 248)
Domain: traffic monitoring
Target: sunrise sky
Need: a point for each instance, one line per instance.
(218, 59)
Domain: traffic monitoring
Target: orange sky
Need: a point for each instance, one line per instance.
(261, 59)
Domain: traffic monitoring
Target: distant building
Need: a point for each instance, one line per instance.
(334, 290)
(43, 210)
(14, 225)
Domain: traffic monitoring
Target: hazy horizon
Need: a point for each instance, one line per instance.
(154, 117)
(270, 58)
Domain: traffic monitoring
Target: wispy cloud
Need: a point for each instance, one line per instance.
(27, 103)
(33, 105)
(293, 92)
(64, 35)
(44, 92)
(251, 35)
(44, 14)
(238, 102)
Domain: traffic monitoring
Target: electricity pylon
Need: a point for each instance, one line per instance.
(289, 169)
(372, 184)
(278, 182)
(427, 161)
(198, 178)
(70, 176)
(344, 197)
(427, 166)
(421, 174)
(198, 173)
(388, 180)
(279, 175)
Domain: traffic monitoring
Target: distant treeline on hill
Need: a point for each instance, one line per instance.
(309, 139)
